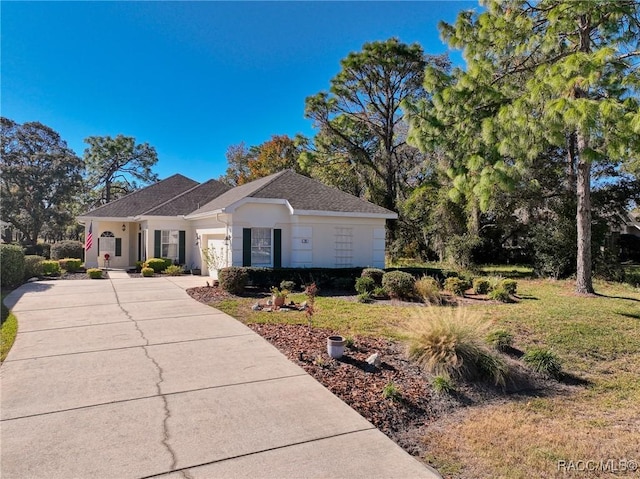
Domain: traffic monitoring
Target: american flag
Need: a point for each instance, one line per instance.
(89, 242)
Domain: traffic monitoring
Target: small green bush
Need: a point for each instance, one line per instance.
(456, 286)
(147, 272)
(174, 270)
(11, 265)
(379, 292)
(481, 285)
(543, 361)
(510, 285)
(67, 249)
(365, 284)
(50, 268)
(364, 297)
(443, 384)
(428, 289)
(391, 392)
(500, 294)
(70, 264)
(375, 274)
(167, 262)
(157, 264)
(33, 266)
(288, 285)
(500, 339)
(399, 284)
(233, 279)
(94, 273)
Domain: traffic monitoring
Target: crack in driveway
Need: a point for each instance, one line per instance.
(167, 412)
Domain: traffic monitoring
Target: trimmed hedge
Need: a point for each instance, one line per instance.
(11, 265)
(399, 284)
(67, 249)
(233, 279)
(365, 284)
(50, 268)
(40, 249)
(32, 266)
(158, 265)
(70, 264)
(147, 272)
(374, 273)
(94, 273)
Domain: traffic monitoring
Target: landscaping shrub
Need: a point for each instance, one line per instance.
(32, 266)
(67, 249)
(399, 284)
(500, 339)
(50, 267)
(139, 266)
(167, 262)
(456, 286)
(70, 264)
(158, 265)
(429, 290)
(40, 249)
(632, 278)
(365, 284)
(364, 297)
(94, 273)
(147, 272)
(500, 294)
(543, 361)
(379, 292)
(375, 274)
(11, 265)
(288, 285)
(233, 279)
(481, 285)
(510, 285)
(450, 343)
(391, 391)
(173, 270)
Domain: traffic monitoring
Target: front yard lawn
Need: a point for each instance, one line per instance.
(594, 415)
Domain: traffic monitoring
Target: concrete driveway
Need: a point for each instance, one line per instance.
(131, 378)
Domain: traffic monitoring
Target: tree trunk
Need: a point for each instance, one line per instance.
(584, 284)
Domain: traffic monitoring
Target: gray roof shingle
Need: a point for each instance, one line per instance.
(190, 200)
(301, 192)
(143, 200)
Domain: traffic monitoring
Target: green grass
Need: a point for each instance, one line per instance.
(8, 330)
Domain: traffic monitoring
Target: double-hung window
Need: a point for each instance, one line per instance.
(261, 247)
(169, 244)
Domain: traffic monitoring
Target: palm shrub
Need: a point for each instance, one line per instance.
(50, 267)
(365, 284)
(450, 342)
(173, 270)
(428, 289)
(510, 285)
(233, 279)
(364, 297)
(375, 274)
(67, 249)
(399, 284)
(94, 273)
(11, 265)
(147, 272)
(32, 266)
(70, 264)
(544, 361)
(481, 285)
(456, 286)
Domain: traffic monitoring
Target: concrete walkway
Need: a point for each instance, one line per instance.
(131, 378)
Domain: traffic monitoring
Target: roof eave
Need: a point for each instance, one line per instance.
(349, 214)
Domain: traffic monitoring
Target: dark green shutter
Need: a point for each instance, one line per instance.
(157, 245)
(246, 246)
(277, 248)
(182, 243)
(98, 245)
(118, 246)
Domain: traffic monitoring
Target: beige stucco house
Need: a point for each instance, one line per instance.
(282, 220)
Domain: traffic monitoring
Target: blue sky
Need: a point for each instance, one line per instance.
(190, 78)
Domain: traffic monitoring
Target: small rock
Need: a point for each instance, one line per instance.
(33, 280)
(256, 307)
(267, 310)
(374, 360)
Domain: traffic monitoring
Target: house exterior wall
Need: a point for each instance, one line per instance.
(152, 224)
(311, 241)
(94, 258)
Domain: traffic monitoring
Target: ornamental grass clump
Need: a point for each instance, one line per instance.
(428, 289)
(449, 342)
(174, 270)
(543, 361)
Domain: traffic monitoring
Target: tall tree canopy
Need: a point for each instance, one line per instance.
(248, 164)
(540, 75)
(114, 164)
(40, 175)
(361, 140)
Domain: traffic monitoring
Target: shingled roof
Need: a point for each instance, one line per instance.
(190, 200)
(301, 192)
(141, 201)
